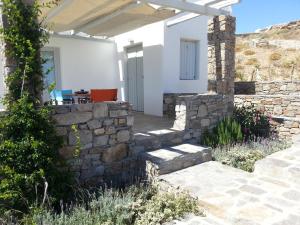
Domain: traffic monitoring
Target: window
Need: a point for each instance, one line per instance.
(48, 68)
(51, 70)
(188, 60)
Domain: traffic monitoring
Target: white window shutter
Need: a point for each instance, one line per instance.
(188, 60)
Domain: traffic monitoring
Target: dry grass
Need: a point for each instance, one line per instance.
(249, 52)
(275, 56)
(251, 61)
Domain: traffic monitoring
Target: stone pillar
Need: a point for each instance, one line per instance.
(221, 54)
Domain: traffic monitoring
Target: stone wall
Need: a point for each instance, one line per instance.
(268, 88)
(199, 112)
(104, 131)
(275, 105)
(286, 127)
(169, 103)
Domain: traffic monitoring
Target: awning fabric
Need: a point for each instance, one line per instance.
(102, 17)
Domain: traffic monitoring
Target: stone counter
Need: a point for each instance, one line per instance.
(103, 132)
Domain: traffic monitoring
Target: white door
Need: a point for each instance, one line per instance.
(135, 77)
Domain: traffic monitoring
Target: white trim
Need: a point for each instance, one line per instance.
(78, 37)
(189, 7)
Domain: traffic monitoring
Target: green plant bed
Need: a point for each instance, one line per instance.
(134, 206)
(243, 156)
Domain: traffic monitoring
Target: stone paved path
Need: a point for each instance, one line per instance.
(269, 196)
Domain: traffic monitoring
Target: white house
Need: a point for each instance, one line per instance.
(145, 51)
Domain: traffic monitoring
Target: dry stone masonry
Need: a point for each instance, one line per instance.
(268, 88)
(103, 132)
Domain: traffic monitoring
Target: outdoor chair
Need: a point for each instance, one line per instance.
(61, 97)
(102, 95)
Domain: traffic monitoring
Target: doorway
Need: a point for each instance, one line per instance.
(135, 77)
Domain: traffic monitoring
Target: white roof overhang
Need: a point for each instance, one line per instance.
(112, 17)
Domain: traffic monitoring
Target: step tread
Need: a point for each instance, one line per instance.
(178, 151)
(171, 159)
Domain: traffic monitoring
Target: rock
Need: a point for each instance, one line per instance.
(277, 110)
(123, 136)
(62, 109)
(110, 130)
(72, 118)
(94, 124)
(130, 121)
(202, 111)
(100, 110)
(108, 122)
(115, 153)
(67, 152)
(122, 122)
(205, 122)
(99, 131)
(117, 113)
(90, 173)
(84, 107)
(85, 137)
(100, 141)
(61, 131)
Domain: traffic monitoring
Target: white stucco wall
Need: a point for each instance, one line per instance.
(195, 30)
(152, 39)
(86, 63)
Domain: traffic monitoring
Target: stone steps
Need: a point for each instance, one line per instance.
(150, 141)
(171, 159)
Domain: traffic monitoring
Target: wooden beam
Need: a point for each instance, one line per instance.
(188, 7)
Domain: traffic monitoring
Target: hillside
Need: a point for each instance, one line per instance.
(270, 54)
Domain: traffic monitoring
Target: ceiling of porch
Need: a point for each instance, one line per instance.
(112, 17)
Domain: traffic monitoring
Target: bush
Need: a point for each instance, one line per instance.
(249, 52)
(275, 56)
(251, 61)
(254, 122)
(29, 158)
(244, 156)
(227, 132)
(136, 205)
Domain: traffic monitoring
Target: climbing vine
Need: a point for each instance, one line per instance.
(24, 37)
(30, 166)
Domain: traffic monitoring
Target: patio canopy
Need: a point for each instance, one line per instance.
(112, 17)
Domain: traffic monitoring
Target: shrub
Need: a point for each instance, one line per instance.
(254, 122)
(244, 156)
(227, 132)
(133, 206)
(249, 52)
(251, 61)
(29, 157)
(275, 56)
(243, 160)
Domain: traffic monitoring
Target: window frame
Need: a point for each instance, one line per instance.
(197, 58)
(56, 53)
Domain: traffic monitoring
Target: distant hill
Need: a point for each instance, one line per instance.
(271, 53)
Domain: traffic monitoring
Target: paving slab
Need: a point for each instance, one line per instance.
(269, 196)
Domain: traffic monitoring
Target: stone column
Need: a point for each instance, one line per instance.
(7, 63)
(221, 54)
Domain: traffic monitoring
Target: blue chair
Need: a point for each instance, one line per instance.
(60, 97)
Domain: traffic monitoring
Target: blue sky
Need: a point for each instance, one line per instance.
(254, 14)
